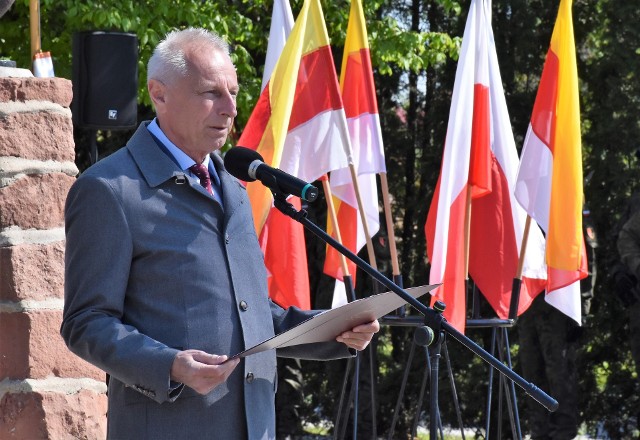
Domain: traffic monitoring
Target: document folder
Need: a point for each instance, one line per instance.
(327, 325)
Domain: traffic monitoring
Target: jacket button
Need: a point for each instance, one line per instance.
(243, 305)
(227, 239)
(249, 377)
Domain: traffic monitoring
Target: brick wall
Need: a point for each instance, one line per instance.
(46, 392)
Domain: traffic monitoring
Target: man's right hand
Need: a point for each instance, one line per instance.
(200, 370)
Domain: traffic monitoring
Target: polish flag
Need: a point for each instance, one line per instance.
(549, 183)
(361, 107)
(299, 126)
(281, 25)
(479, 162)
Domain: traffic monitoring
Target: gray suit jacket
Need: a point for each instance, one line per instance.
(155, 265)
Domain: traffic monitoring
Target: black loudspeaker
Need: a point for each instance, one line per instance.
(105, 80)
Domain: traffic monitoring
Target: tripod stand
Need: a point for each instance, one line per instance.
(433, 349)
(500, 343)
(434, 323)
(499, 346)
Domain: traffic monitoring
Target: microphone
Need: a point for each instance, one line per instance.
(248, 165)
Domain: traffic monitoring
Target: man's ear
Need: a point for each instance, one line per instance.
(157, 93)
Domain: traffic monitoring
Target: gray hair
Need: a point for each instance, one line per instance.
(168, 59)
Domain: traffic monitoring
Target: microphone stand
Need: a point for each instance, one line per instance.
(432, 318)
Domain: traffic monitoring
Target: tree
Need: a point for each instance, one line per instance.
(609, 48)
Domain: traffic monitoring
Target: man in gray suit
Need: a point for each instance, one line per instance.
(164, 276)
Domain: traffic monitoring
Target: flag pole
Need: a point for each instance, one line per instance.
(331, 210)
(517, 281)
(467, 232)
(363, 217)
(475, 297)
(356, 187)
(34, 20)
(395, 267)
(523, 247)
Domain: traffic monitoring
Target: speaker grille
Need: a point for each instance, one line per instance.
(105, 80)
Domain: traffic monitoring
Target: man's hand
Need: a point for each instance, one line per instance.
(360, 336)
(201, 371)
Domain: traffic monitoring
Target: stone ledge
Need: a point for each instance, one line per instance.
(14, 168)
(31, 305)
(15, 72)
(14, 235)
(11, 107)
(52, 385)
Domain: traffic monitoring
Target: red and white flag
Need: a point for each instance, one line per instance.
(480, 162)
(299, 126)
(549, 183)
(361, 107)
(281, 25)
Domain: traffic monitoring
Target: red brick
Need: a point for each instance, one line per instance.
(57, 90)
(31, 347)
(32, 271)
(38, 136)
(35, 202)
(56, 416)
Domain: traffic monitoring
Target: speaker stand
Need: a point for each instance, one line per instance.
(93, 147)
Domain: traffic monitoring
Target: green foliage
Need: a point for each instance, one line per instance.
(608, 42)
(244, 27)
(397, 48)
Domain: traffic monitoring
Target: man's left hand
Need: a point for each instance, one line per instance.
(359, 337)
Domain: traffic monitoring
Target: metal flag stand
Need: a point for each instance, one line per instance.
(500, 342)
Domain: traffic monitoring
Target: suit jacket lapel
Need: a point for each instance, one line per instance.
(155, 166)
(233, 192)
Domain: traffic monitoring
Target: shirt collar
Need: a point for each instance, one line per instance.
(184, 161)
(180, 157)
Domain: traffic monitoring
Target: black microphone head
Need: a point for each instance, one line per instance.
(237, 161)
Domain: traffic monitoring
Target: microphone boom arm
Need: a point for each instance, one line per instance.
(432, 319)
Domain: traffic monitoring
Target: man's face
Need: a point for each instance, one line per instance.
(196, 112)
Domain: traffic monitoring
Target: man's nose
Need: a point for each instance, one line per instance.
(228, 106)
